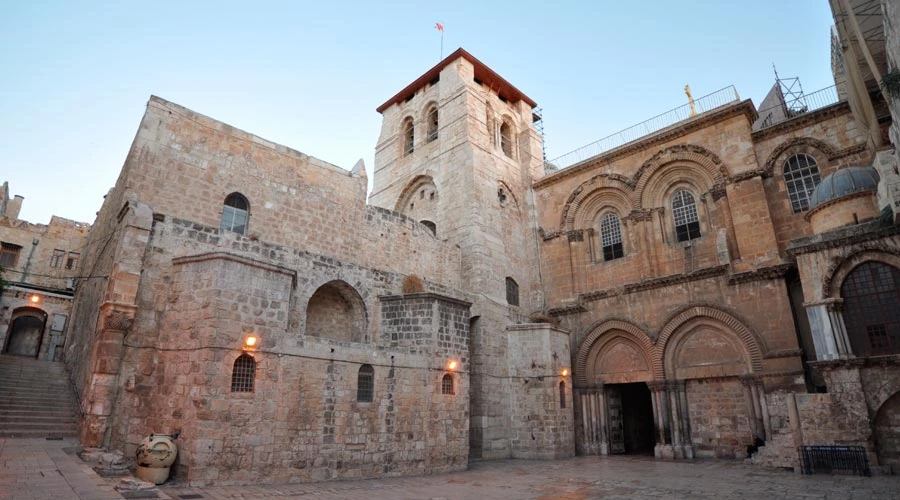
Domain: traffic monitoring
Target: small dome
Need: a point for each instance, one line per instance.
(846, 181)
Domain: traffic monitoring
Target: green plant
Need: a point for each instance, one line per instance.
(890, 83)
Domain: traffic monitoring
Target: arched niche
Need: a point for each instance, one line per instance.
(336, 311)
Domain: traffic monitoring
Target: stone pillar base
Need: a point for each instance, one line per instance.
(664, 451)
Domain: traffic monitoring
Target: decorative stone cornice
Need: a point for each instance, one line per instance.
(801, 121)
(424, 295)
(762, 274)
(567, 310)
(870, 361)
(845, 236)
(665, 135)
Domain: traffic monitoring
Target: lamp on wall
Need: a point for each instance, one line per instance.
(564, 372)
(35, 298)
(250, 341)
(452, 364)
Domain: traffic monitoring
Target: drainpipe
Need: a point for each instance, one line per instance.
(34, 244)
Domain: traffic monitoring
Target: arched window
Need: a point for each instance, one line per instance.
(365, 384)
(409, 136)
(611, 236)
(432, 118)
(562, 394)
(235, 213)
(684, 213)
(506, 138)
(512, 292)
(447, 385)
(801, 175)
(243, 373)
(871, 296)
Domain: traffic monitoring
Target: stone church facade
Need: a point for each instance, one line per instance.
(727, 277)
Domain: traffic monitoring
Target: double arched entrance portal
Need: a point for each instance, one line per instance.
(25, 333)
(694, 390)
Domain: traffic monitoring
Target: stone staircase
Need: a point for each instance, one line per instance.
(36, 400)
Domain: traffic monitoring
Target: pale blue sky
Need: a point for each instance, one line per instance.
(309, 75)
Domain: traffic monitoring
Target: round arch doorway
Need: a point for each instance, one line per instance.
(26, 331)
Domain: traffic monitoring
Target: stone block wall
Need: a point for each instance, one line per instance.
(543, 422)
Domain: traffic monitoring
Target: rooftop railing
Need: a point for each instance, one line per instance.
(793, 108)
(708, 102)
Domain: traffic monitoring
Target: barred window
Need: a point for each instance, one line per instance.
(432, 117)
(801, 175)
(871, 296)
(243, 374)
(447, 385)
(684, 213)
(409, 136)
(512, 292)
(611, 236)
(365, 384)
(562, 394)
(235, 213)
(9, 255)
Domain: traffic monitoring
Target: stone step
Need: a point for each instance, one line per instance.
(28, 413)
(9, 422)
(42, 426)
(36, 400)
(37, 434)
(30, 405)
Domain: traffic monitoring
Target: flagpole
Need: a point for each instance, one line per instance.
(442, 45)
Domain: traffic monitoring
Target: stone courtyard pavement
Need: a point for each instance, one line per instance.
(580, 478)
(32, 469)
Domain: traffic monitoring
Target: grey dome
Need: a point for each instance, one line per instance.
(846, 181)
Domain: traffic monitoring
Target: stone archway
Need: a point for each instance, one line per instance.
(26, 331)
(710, 359)
(887, 439)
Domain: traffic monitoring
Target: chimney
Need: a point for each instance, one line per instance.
(13, 207)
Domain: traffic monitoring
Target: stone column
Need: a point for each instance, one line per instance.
(659, 398)
(681, 426)
(751, 394)
(827, 326)
(603, 423)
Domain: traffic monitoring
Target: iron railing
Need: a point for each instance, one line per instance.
(714, 100)
(827, 459)
(792, 108)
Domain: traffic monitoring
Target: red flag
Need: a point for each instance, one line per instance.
(439, 26)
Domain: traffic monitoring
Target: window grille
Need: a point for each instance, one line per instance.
(9, 255)
(432, 125)
(235, 213)
(801, 175)
(871, 296)
(684, 213)
(365, 384)
(409, 137)
(512, 292)
(447, 385)
(611, 237)
(243, 374)
(57, 257)
(562, 394)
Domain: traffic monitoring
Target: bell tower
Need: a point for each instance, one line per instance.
(458, 152)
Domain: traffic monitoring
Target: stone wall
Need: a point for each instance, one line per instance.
(48, 268)
(543, 419)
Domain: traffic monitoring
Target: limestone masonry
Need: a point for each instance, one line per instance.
(731, 277)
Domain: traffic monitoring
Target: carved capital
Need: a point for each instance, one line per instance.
(118, 320)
